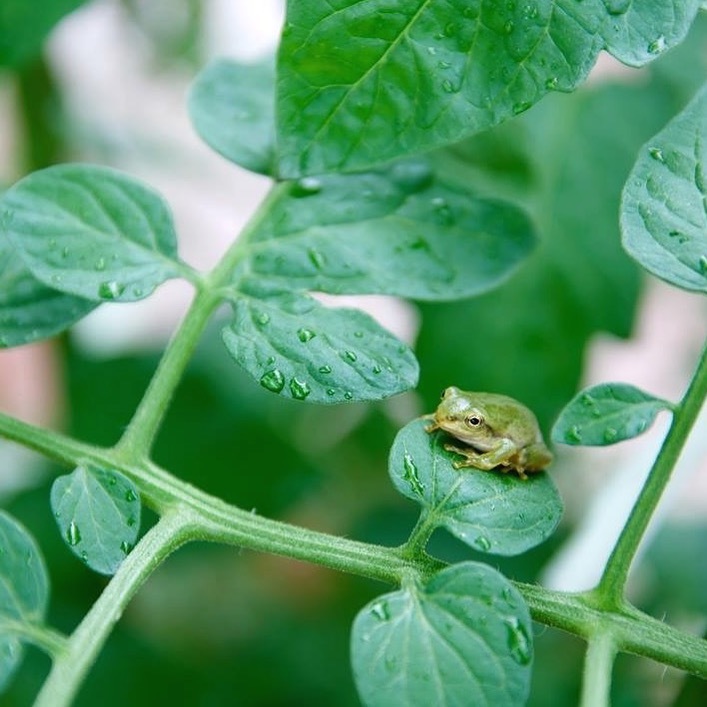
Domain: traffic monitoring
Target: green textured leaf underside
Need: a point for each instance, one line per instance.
(463, 639)
(24, 591)
(98, 514)
(300, 349)
(360, 83)
(664, 207)
(30, 311)
(606, 414)
(232, 107)
(91, 232)
(397, 231)
(490, 511)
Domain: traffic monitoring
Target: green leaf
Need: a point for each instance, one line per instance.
(606, 414)
(24, 591)
(98, 514)
(296, 347)
(232, 107)
(664, 207)
(29, 310)
(91, 232)
(462, 639)
(489, 511)
(397, 231)
(360, 83)
(24, 26)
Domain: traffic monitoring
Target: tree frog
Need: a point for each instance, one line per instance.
(497, 431)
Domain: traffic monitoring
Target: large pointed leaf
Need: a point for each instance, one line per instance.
(364, 82)
(398, 231)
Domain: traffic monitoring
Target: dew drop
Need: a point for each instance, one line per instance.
(444, 215)
(574, 433)
(610, 434)
(551, 83)
(325, 369)
(509, 27)
(702, 264)
(305, 335)
(530, 11)
(410, 474)
(73, 534)
(482, 543)
(617, 7)
(110, 289)
(377, 369)
(273, 380)
(316, 258)
(262, 318)
(658, 45)
(130, 496)
(125, 547)
(449, 87)
(348, 395)
(65, 252)
(431, 51)
(351, 356)
(100, 264)
(657, 154)
(521, 107)
(299, 389)
(519, 642)
(131, 521)
(307, 186)
(412, 176)
(381, 611)
(330, 391)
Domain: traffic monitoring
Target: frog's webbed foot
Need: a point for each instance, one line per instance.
(433, 423)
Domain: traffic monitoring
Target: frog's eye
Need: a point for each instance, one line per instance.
(473, 420)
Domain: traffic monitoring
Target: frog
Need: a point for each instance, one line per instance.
(496, 431)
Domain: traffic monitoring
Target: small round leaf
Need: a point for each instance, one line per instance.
(98, 514)
(490, 511)
(91, 232)
(463, 639)
(606, 414)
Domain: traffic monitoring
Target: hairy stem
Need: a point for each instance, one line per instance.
(72, 664)
(596, 681)
(613, 581)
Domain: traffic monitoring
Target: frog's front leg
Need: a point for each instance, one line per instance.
(499, 455)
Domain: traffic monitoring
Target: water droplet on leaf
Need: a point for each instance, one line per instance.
(73, 534)
(521, 107)
(305, 335)
(125, 547)
(658, 45)
(574, 433)
(110, 290)
(307, 186)
(130, 496)
(273, 380)
(299, 389)
(262, 318)
(351, 356)
(325, 369)
(657, 154)
(482, 543)
(316, 258)
(101, 264)
(410, 474)
(381, 611)
(610, 434)
(519, 642)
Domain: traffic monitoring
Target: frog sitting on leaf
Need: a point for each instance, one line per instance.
(497, 431)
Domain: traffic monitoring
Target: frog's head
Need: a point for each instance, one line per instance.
(461, 415)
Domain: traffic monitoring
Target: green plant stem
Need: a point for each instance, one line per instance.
(136, 443)
(50, 641)
(631, 630)
(71, 666)
(138, 438)
(613, 581)
(596, 681)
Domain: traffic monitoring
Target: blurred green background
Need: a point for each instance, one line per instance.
(219, 627)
